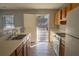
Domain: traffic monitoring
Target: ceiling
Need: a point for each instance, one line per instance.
(31, 5)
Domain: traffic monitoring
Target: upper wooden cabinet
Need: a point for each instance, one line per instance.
(71, 6)
(68, 7)
(55, 19)
(64, 13)
(60, 16)
(74, 5)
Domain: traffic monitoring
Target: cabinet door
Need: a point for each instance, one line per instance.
(74, 5)
(25, 50)
(68, 8)
(64, 13)
(13, 54)
(28, 47)
(20, 53)
(20, 50)
(62, 50)
(56, 20)
(60, 15)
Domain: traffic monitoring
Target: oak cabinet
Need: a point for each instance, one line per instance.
(68, 7)
(64, 13)
(18, 51)
(71, 6)
(74, 5)
(28, 43)
(58, 17)
(62, 47)
(13, 54)
(60, 14)
(24, 48)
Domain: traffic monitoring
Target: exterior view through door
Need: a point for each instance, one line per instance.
(42, 28)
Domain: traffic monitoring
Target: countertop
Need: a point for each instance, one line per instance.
(54, 31)
(9, 46)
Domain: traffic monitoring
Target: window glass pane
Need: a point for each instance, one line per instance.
(8, 22)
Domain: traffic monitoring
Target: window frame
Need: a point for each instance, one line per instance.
(9, 23)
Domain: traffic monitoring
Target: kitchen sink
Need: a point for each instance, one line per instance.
(18, 37)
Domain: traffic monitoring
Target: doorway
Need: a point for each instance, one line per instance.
(42, 28)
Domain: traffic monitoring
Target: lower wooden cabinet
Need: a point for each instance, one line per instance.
(28, 47)
(19, 51)
(22, 50)
(62, 47)
(25, 50)
(13, 54)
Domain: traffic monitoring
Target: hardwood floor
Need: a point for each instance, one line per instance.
(41, 49)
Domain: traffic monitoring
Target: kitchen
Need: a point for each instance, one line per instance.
(17, 36)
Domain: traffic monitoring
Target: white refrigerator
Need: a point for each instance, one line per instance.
(72, 31)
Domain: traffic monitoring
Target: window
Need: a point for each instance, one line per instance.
(8, 21)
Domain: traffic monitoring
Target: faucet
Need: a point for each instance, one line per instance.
(13, 34)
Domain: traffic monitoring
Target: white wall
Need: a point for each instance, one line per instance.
(18, 15)
(30, 25)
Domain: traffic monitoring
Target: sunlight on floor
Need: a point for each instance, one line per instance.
(41, 49)
(35, 45)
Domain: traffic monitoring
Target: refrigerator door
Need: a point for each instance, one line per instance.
(73, 23)
(71, 46)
